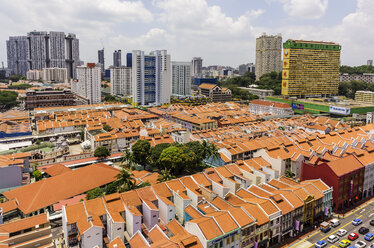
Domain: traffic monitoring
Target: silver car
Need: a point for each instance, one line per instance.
(341, 232)
(332, 239)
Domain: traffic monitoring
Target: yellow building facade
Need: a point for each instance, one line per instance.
(310, 68)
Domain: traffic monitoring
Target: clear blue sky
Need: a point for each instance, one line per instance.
(220, 31)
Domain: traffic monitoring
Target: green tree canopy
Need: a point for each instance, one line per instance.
(110, 98)
(107, 128)
(125, 180)
(20, 86)
(94, 193)
(177, 160)
(141, 151)
(156, 152)
(37, 175)
(101, 152)
(8, 99)
(356, 69)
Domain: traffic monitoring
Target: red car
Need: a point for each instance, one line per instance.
(353, 236)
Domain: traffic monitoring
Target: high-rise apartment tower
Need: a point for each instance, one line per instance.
(181, 78)
(151, 84)
(268, 54)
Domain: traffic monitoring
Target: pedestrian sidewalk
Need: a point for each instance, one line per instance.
(354, 210)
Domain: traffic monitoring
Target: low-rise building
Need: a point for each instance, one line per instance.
(345, 175)
(266, 107)
(29, 232)
(49, 98)
(216, 93)
(366, 77)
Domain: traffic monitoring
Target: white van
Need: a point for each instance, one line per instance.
(334, 222)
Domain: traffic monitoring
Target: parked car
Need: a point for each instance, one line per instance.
(369, 237)
(332, 239)
(341, 232)
(353, 236)
(357, 222)
(320, 244)
(372, 222)
(360, 244)
(344, 243)
(363, 230)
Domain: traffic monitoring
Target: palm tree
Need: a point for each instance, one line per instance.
(128, 160)
(165, 176)
(126, 180)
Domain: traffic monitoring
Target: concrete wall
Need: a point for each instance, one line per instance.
(10, 176)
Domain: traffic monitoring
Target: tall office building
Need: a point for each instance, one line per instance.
(370, 62)
(120, 80)
(17, 55)
(181, 78)
(100, 55)
(89, 83)
(151, 84)
(117, 58)
(40, 50)
(268, 54)
(197, 67)
(310, 68)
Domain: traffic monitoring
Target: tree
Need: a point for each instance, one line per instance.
(20, 86)
(156, 152)
(94, 193)
(144, 184)
(14, 78)
(37, 175)
(110, 98)
(101, 152)
(107, 128)
(8, 99)
(165, 175)
(141, 151)
(177, 159)
(125, 180)
(111, 188)
(127, 160)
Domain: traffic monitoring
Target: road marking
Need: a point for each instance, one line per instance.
(371, 214)
(333, 231)
(363, 210)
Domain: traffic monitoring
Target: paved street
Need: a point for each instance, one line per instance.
(365, 213)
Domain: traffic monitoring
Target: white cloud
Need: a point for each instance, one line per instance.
(205, 30)
(305, 9)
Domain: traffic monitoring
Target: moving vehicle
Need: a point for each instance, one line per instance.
(344, 243)
(360, 244)
(363, 230)
(341, 232)
(332, 239)
(334, 222)
(325, 227)
(369, 237)
(320, 244)
(353, 236)
(357, 222)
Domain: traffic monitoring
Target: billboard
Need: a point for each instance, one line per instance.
(340, 110)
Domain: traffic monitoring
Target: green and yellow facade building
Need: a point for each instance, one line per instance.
(310, 68)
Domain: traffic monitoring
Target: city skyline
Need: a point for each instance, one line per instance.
(150, 25)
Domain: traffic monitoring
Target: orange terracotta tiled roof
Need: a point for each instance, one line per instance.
(23, 224)
(56, 169)
(48, 191)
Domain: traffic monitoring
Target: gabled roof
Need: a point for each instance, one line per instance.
(23, 224)
(48, 191)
